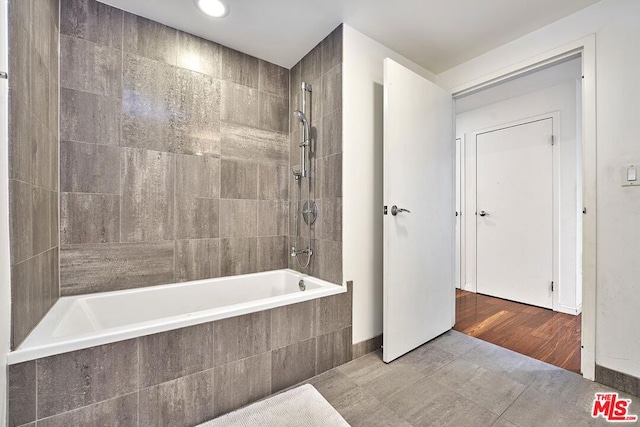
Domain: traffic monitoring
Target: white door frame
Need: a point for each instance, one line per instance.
(586, 48)
(460, 208)
(5, 264)
(555, 274)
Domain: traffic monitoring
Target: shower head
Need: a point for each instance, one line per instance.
(300, 116)
(305, 125)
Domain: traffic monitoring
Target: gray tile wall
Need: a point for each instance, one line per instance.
(33, 161)
(185, 376)
(322, 68)
(174, 155)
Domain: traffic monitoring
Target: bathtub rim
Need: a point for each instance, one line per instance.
(122, 333)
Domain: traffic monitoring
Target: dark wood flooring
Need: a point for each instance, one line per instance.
(533, 331)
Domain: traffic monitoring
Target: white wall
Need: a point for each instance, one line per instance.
(615, 23)
(5, 283)
(362, 175)
(560, 98)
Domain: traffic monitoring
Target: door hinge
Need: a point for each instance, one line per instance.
(4, 75)
(553, 140)
(384, 211)
(552, 286)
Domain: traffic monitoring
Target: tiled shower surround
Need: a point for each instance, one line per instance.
(174, 155)
(33, 171)
(322, 68)
(185, 376)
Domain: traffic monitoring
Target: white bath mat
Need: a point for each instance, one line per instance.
(303, 406)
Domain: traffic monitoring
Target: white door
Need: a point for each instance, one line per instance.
(418, 245)
(515, 213)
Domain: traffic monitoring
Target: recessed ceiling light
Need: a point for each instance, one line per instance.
(213, 8)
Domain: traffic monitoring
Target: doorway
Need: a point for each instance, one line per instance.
(523, 193)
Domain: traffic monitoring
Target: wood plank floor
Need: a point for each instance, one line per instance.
(533, 331)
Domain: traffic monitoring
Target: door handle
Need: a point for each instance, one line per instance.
(396, 210)
(484, 213)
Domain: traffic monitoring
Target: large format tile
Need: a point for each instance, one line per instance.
(242, 382)
(359, 409)
(455, 342)
(86, 376)
(90, 67)
(239, 105)
(377, 378)
(426, 359)
(196, 218)
(282, 318)
(273, 218)
(333, 313)
(332, 90)
(174, 354)
(246, 143)
(41, 204)
(332, 133)
(150, 39)
(147, 196)
(93, 21)
(196, 122)
(22, 393)
(311, 65)
(200, 55)
(108, 267)
(293, 364)
(198, 176)
(273, 112)
(333, 385)
(149, 103)
(238, 180)
(87, 117)
(506, 362)
(238, 218)
(184, 401)
(40, 86)
(273, 182)
(272, 253)
(197, 259)
(120, 411)
(20, 141)
(618, 380)
(331, 48)
(239, 337)
(239, 68)
(19, 53)
(534, 408)
(43, 163)
(429, 403)
(21, 224)
(238, 256)
(89, 218)
(331, 219)
(333, 349)
(274, 79)
(89, 168)
(492, 391)
(331, 176)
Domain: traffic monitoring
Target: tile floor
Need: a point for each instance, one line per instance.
(457, 380)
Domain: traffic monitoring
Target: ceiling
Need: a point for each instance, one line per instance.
(435, 34)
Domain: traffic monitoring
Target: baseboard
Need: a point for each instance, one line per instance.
(567, 309)
(623, 382)
(365, 347)
(469, 287)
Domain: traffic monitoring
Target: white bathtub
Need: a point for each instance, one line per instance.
(84, 321)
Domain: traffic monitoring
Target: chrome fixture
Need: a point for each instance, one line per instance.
(302, 285)
(396, 210)
(484, 213)
(308, 209)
